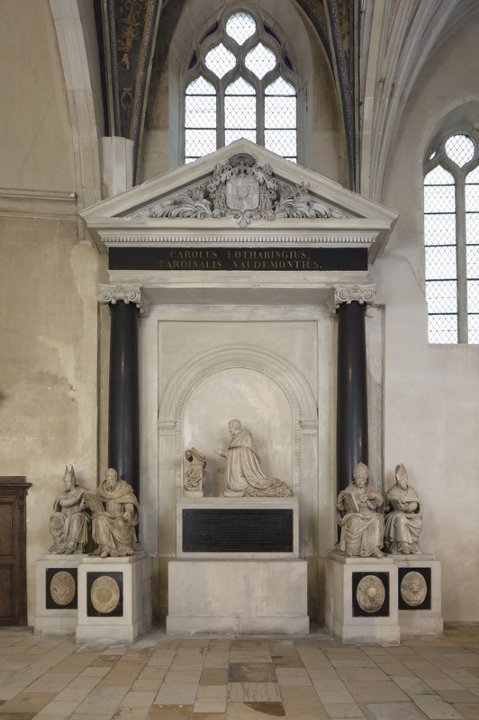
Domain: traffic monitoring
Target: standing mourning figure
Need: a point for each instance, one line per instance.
(244, 476)
(362, 527)
(69, 522)
(404, 516)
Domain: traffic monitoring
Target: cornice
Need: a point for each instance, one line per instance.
(38, 204)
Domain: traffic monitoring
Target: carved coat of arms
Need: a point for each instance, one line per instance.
(246, 191)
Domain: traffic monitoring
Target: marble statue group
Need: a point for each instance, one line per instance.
(244, 476)
(370, 523)
(111, 512)
(365, 531)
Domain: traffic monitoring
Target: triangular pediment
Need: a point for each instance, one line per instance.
(241, 190)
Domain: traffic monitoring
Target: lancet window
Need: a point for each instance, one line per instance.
(451, 238)
(240, 83)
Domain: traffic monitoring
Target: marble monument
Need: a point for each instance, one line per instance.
(114, 517)
(362, 527)
(69, 521)
(244, 476)
(403, 516)
(194, 473)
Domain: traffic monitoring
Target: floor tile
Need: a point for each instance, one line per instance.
(254, 711)
(177, 694)
(27, 703)
(210, 705)
(436, 709)
(376, 692)
(253, 692)
(214, 676)
(170, 712)
(252, 672)
(395, 711)
(293, 676)
(343, 710)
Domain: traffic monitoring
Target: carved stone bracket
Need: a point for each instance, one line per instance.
(111, 294)
(363, 294)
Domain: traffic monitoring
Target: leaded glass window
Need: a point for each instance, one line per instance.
(240, 83)
(451, 239)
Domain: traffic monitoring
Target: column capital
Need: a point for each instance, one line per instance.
(111, 294)
(361, 294)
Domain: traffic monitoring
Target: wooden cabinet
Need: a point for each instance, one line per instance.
(13, 576)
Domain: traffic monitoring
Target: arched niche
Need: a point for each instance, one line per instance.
(270, 396)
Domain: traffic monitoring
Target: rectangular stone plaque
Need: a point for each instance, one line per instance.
(283, 259)
(241, 530)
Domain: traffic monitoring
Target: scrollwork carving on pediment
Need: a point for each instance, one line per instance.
(246, 191)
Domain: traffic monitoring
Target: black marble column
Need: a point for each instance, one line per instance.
(123, 413)
(352, 407)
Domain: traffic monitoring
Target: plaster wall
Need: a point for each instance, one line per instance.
(431, 417)
(35, 134)
(48, 280)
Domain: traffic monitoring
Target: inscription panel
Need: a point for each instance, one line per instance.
(283, 259)
(242, 530)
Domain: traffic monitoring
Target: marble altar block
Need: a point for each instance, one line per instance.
(238, 569)
(419, 594)
(361, 599)
(56, 601)
(237, 596)
(114, 598)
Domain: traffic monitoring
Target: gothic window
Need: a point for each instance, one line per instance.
(451, 238)
(240, 83)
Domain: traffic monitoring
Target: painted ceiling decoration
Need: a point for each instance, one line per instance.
(337, 23)
(129, 36)
(135, 39)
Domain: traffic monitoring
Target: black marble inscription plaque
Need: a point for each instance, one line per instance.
(283, 259)
(51, 603)
(384, 609)
(109, 596)
(230, 530)
(426, 573)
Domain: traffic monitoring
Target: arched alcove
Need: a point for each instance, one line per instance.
(239, 371)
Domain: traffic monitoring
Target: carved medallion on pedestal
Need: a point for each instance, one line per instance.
(105, 594)
(413, 588)
(62, 588)
(370, 593)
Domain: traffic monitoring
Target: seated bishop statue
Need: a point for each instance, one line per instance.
(362, 526)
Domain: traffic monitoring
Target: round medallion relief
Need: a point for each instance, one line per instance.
(105, 594)
(62, 588)
(413, 588)
(370, 593)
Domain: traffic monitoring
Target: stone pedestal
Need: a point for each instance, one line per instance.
(56, 607)
(238, 569)
(361, 599)
(412, 597)
(237, 596)
(419, 594)
(114, 598)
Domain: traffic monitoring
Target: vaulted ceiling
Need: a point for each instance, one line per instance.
(376, 50)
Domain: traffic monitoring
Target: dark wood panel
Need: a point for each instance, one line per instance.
(7, 511)
(13, 541)
(7, 601)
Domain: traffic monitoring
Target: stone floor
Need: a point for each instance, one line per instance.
(300, 678)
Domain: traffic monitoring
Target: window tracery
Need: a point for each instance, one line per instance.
(451, 238)
(240, 83)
